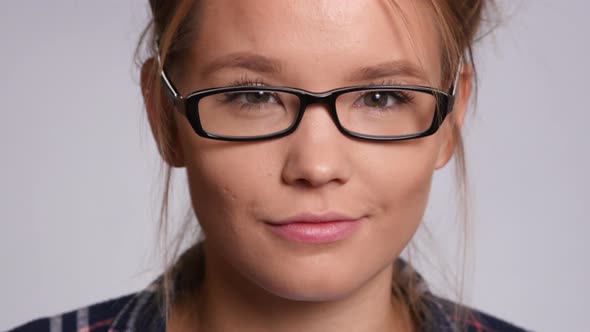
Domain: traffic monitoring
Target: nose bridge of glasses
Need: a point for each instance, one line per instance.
(324, 98)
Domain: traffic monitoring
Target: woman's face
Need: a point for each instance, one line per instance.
(237, 188)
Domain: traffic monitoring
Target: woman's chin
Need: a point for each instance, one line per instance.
(321, 290)
(312, 283)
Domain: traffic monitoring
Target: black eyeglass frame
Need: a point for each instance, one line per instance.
(445, 103)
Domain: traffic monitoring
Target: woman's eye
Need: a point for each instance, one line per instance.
(252, 98)
(379, 99)
(258, 97)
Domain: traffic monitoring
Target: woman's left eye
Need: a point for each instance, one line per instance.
(259, 97)
(379, 99)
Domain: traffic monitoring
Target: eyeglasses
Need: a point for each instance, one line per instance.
(374, 112)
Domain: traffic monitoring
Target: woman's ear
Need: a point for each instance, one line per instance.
(172, 154)
(457, 116)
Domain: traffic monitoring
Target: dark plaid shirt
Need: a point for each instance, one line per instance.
(143, 312)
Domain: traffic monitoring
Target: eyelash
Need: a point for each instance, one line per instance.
(247, 81)
(387, 82)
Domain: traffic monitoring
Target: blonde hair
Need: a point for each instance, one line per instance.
(168, 35)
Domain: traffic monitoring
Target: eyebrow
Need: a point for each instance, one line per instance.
(245, 60)
(263, 64)
(388, 69)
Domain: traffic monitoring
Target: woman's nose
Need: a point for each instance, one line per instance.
(317, 152)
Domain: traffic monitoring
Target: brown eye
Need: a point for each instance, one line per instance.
(258, 97)
(376, 99)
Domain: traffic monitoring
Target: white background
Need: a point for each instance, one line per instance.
(79, 169)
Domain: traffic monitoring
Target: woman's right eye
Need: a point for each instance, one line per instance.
(252, 97)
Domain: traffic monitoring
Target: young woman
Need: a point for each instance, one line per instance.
(310, 132)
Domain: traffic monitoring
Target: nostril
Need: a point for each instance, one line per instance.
(314, 174)
(303, 183)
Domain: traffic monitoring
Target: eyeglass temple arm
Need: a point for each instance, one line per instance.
(457, 76)
(454, 86)
(172, 91)
(171, 88)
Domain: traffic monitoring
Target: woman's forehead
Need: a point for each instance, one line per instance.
(311, 38)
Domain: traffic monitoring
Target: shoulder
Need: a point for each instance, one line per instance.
(97, 317)
(139, 311)
(472, 320)
(439, 314)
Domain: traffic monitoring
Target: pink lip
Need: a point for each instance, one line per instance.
(313, 228)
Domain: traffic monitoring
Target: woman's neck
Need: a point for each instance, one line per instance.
(226, 301)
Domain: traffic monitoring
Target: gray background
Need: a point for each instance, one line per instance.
(79, 170)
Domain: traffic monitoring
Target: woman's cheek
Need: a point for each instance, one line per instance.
(401, 184)
(224, 186)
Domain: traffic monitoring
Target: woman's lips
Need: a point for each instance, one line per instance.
(316, 232)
